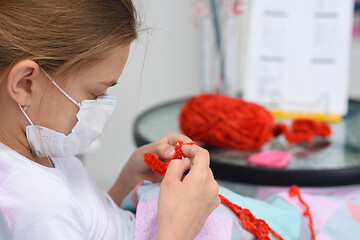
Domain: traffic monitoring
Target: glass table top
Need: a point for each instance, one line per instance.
(338, 152)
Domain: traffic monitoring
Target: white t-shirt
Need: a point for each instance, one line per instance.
(57, 203)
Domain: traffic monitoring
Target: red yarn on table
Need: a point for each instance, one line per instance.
(233, 123)
(256, 226)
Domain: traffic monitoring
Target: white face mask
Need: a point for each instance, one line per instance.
(92, 119)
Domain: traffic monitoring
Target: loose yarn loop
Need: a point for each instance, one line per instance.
(256, 226)
(233, 123)
(303, 129)
(295, 191)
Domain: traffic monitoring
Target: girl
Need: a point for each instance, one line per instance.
(57, 60)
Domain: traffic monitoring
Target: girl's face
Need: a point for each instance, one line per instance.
(52, 109)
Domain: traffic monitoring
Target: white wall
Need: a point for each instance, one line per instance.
(171, 70)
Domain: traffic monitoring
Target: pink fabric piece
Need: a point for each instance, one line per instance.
(216, 227)
(321, 208)
(146, 223)
(345, 192)
(275, 159)
(322, 236)
(354, 210)
(264, 192)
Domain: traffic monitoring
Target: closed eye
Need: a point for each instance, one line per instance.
(99, 96)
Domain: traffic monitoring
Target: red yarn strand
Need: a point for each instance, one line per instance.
(256, 226)
(295, 191)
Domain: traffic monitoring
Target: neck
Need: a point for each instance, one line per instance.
(13, 133)
(22, 147)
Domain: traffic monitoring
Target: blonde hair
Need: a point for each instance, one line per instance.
(63, 35)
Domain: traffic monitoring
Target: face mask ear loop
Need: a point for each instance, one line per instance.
(27, 117)
(60, 89)
(42, 143)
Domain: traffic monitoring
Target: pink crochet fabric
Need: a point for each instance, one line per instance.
(275, 159)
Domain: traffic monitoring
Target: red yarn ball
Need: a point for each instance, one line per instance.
(226, 122)
(233, 123)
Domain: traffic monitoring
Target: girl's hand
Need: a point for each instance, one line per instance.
(186, 202)
(164, 148)
(135, 170)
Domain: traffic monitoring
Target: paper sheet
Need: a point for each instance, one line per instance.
(298, 58)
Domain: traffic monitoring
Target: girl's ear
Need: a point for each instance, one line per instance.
(22, 80)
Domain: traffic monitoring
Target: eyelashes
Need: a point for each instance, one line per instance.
(99, 96)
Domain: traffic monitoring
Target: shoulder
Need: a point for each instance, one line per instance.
(38, 205)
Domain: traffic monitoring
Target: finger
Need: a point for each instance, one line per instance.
(171, 138)
(177, 169)
(199, 157)
(164, 150)
(211, 174)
